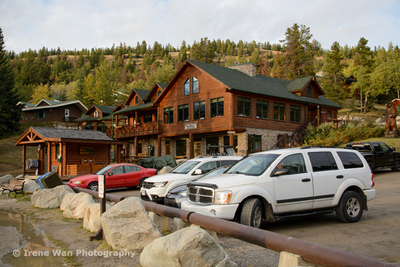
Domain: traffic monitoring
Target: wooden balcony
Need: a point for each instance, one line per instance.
(138, 129)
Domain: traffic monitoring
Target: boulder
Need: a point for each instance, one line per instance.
(191, 246)
(127, 226)
(6, 178)
(67, 200)
(50, 198)
(30, 186)
(91, 216)
(76, 207)
(165, 169)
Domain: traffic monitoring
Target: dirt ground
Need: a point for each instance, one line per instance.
(376, 235)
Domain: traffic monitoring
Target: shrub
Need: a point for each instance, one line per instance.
(328, 135)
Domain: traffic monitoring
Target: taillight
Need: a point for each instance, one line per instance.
(372, 179)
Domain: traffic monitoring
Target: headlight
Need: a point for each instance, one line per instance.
(222, 197)
(160, 184)
(77, 182)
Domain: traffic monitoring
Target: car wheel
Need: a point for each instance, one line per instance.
(93, 186)
(141, 182)
(396, 164)
(350, 208)
(252, 213)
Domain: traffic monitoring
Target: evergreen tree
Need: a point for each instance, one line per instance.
(333, 80)
(299, 55)
(10, 113)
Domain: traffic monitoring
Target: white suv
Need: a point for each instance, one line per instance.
(285, 182)
(156, 187)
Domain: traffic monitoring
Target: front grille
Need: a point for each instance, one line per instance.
(200, 195)
(147, 185)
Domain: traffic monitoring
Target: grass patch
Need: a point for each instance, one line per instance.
(21, 198)
(70, 260)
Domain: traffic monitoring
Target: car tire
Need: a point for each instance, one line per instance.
(93, 186)
(141, 182)
(350, 208)
(396, 166)
(252, 213)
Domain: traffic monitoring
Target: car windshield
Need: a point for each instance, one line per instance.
(185, 167)
(253, 165)
(213, 173)
(103, 170)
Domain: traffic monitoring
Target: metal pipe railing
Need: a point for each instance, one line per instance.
(310, 252)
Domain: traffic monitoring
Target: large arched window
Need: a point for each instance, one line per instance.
(195, 85)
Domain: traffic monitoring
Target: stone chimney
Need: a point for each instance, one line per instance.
(247, 68)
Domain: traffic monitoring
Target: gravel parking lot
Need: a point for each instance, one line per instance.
(376, 235)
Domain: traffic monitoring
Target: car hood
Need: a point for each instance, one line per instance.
(170, 177)
(228, 180)
(84, 177)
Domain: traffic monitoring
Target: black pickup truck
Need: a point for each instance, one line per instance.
(377, 154)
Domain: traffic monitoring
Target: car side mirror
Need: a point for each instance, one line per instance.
(393, 149)
(110, 173)
(279, 172)
(197, 172)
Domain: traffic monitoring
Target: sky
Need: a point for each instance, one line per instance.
(78, 24)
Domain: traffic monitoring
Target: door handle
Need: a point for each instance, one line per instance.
(306, 180)
(339, 176)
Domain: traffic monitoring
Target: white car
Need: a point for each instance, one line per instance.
(285, 182)
(156, 188)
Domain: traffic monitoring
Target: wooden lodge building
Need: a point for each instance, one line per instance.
(205, 106)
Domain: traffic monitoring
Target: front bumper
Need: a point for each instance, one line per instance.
(226, 212)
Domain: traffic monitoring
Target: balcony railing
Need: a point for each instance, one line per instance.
(137, 129)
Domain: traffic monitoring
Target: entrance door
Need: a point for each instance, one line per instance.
(197, 148)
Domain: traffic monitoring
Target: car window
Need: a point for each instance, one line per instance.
(103, 170)
(293, 163)
(185, 167)
(208, 166)
(322, 161)
(350, 160)
(130, 168)
(118, 170)
(385, 147)
(253, 165)
(228, 162)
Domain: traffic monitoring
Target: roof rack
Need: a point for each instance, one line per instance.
(308, 147)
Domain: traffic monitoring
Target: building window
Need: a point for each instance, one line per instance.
(244, 106)
(41, 114)
(295, 112)
(330, 115)
(235, 142)
(159, 92)
(309, 91)
(195, 85)
(186, 87)
(183, 113)
(96, 114)
(262, 109)
(147, 118)
(181, 147)
(279, 111)
(168, 115)
(217, 107)
(199, 110)
(254, 144)
(212, 147)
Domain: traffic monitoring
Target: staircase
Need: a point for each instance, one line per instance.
(296, 138)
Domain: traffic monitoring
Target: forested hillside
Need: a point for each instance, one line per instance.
(94, 75)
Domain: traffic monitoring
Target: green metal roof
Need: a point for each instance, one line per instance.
(133, 108)
(142, 93)
(263, 85)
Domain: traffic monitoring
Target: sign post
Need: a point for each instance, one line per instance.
(101, 189)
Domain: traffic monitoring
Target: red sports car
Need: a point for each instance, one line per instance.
(116, 175)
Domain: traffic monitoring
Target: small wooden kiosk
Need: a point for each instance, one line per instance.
(68, 152)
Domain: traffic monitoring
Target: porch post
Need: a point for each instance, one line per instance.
(136, 145)
(191, 146)
(23, 160)
(48, 157)
(318, 116)
(64, 159)
(159, 146)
